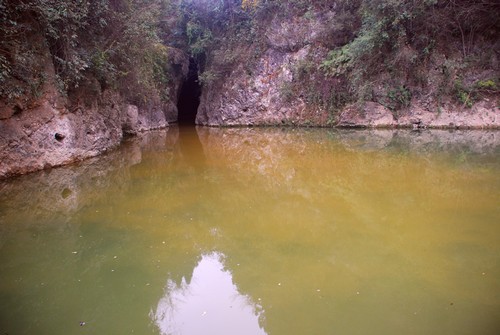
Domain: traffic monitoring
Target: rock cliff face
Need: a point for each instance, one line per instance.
(256, 93)
(483, 115)
(50, 131)
(254, 97)
(49, 135)
(283, 84)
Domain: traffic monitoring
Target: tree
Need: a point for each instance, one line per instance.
(114, 41)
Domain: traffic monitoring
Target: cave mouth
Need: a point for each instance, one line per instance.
(189, 96)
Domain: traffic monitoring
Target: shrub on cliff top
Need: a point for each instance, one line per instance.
(115, 41)
(399, 36)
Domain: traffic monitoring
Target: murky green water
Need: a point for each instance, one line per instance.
(259, 231)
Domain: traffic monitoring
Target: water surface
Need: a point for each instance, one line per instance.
(258, 231)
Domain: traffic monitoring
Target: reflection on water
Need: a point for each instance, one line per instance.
(209, 304)
(308, 231)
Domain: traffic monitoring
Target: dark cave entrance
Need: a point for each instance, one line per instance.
(189, 97)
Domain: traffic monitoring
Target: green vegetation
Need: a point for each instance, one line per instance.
(463, 94)
(93, 45)
(399, 38)
(399, 97)
(468, 94)
(488, 85)
(377, 50)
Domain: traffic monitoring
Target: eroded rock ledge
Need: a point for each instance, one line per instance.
(49, 134)
(483, 115)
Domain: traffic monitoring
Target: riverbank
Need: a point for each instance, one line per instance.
(483, 115)
(39, 149)
(50, 134)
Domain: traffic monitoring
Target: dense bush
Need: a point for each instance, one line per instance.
(399, 36)
(115, 42)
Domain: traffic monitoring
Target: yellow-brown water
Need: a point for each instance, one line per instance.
(258, 231)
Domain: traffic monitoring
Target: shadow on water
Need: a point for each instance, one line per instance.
(191, 149)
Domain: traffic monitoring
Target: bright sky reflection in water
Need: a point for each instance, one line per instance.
(209, 304)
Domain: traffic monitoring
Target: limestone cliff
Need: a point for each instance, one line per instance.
(257, 92)
(53, 130)
(284, 75)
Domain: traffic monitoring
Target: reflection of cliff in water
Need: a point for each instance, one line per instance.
(191, 150)
(51, 199)
(60, 191)
(422, 141)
